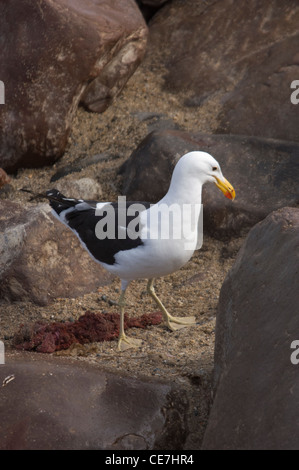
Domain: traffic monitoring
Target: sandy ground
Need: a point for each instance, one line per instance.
(185, 356)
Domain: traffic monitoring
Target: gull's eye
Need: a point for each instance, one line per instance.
(214, 168)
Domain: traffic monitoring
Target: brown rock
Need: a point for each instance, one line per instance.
(264, 172)
(81, 188)
(249, 50)
(40, 259)
(265, 94)
(56, 53)
(256, 404)
(67, 405)
(4, 178)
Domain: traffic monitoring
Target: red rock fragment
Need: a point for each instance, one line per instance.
(89, 328)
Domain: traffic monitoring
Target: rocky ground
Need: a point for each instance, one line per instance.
(185, 356)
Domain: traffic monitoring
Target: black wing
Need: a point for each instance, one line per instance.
(93, 225)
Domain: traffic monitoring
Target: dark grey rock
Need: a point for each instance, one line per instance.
(81, 188)
(260, 104)
(245, 52)
(264, 172)
(256, 404)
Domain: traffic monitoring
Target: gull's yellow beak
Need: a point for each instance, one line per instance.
(226, 188)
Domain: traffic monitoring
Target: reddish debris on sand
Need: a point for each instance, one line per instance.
(90, 327)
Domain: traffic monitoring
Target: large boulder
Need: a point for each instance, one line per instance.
(264, 172)
(66, 405)
(248, 50)
(54, 54)
(260, 104)
(257, 384)
(40, 259)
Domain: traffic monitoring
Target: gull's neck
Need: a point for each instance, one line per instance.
(183, 190)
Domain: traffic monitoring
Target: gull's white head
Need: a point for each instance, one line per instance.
(203, 168)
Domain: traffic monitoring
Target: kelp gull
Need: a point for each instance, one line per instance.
(139, 240)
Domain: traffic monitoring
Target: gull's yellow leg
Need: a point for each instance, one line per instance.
(124, 342)
(173, 323)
